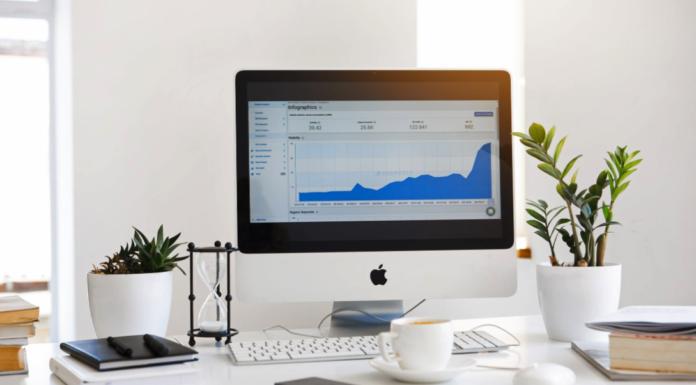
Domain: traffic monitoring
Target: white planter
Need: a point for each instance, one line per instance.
(570, 297)
(129, 304)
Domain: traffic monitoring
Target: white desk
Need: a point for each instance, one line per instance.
(216, 366)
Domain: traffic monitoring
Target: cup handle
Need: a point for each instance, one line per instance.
(382, 340)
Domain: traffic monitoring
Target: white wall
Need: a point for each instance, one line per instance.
(621, 72)
(154, 116)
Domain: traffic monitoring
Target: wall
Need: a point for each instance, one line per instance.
(154, 116)
(610, 73)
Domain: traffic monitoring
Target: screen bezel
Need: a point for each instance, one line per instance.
(373, 235)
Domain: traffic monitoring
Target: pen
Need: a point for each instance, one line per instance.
(120, 348)
(157, 347)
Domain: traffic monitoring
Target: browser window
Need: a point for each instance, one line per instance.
(327, 161)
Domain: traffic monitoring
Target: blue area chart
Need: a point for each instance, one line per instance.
(477, 185)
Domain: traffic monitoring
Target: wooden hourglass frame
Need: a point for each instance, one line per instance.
(229, 332)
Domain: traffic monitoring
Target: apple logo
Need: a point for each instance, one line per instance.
(377, 276)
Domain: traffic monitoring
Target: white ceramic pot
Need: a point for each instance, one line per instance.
(570, 297)
(129, 304)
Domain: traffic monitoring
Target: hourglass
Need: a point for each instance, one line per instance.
(212, 264)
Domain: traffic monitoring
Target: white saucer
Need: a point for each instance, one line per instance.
(455, 367)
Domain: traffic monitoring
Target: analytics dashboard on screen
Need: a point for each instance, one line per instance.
(405, 160)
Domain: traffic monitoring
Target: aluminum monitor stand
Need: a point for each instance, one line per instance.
(353, 323)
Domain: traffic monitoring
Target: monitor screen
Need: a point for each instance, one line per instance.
(373, 160)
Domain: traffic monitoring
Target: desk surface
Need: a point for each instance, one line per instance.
(216, 366)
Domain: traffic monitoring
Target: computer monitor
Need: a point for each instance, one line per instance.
(374, 185)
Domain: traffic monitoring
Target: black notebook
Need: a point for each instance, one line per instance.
(101, 356)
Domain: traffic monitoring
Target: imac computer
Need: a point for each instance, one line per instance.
(369, 187)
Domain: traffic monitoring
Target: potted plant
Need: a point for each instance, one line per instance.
(569, 298)
(131, 293)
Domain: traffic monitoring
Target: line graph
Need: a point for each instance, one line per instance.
(393, 171)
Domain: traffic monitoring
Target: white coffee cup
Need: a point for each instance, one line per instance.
(418, 343)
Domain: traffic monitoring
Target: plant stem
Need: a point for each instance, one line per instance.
(578, 255)
(602, 246)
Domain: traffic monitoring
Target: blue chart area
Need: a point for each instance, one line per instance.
(476, 185)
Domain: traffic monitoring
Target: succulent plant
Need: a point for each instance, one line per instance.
(123, 262)
(143, 256)
(154, 256)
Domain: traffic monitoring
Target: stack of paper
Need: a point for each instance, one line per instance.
(17, 318)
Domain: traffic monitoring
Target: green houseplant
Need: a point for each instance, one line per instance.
(569, 298)
(580, 239)
(143, 256)
(131, 292)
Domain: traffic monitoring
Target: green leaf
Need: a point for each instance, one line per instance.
(625, 175)
(522, 135)
(549, 138)
(595, 190)
(536, 215)
(559, 189)
(575, 176)
(616, 161)
(537, 225)
(631, 165)
(608, 223)
(538, 154)
(569, 166)
(633, 155)
(532, 203)
(174, 238)
(573, 187)
(537, 132)
(621, 154)
(549, 169)
(611, 168)
(543, 204)
(619, 190)
(531, 144)
(160, 236)
(543, 235)
(602, 179)
(559, 147)
(165, 246)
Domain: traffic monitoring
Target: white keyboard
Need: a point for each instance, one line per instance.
(339, 349)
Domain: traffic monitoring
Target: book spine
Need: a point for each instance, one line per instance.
(78, 355)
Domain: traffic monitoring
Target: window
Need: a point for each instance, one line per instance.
(25, 199)
(456, 34)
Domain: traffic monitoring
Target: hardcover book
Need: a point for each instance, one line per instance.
(100, 355)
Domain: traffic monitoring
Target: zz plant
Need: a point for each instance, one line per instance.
(143, 255)
(586, 249)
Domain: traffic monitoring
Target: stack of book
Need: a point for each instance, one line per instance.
(17, 318)
(657, 341)
(663, 353)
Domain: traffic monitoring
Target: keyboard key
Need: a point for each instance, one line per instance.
(244, 358)
(481, 341)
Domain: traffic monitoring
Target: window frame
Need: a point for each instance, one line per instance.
(60, 284)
